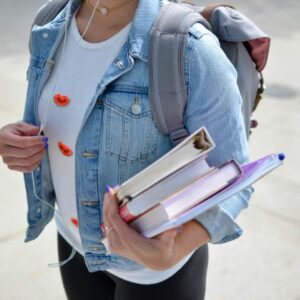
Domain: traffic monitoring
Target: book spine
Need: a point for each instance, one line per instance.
(175, 159)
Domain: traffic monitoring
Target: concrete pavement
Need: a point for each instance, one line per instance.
(265, 262)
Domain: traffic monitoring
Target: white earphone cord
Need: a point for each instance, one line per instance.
(43, 124)
(44, 119)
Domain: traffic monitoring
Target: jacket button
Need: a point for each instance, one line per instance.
(136, 109)
(45, 35)
(120, 64)
(87, 154)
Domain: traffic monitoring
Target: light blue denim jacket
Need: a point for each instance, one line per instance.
(115, 143)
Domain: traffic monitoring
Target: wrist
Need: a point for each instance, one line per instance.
(192, 236)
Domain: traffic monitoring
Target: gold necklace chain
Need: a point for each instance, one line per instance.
(105, 10)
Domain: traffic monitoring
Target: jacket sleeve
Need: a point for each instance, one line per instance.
(214, 101)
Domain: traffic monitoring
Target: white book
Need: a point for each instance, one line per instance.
(192, 148)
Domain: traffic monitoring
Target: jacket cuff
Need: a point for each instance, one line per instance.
(220, 225)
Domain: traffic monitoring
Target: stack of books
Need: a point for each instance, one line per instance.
(181, 185)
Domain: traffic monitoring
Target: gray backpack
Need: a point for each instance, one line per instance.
(245, 45)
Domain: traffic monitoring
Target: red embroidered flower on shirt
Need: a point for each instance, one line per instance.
(65, 150)
(61, 100)
(75, 222)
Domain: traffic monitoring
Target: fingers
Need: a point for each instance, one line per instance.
(13, 152)
(27, 129)
(20, 135)
(111, 213)
(110, 208)
(109, 225)
(19, 148)
(24, 161)
(121, 232)
(24, 169)
(115, 242)
(24, 141)
(125, 241)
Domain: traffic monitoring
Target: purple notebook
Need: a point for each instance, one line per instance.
(251, 172)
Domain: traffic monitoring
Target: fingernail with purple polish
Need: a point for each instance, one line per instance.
(107, 189)
(45, 139)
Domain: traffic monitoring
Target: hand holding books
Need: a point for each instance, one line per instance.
(156, 253)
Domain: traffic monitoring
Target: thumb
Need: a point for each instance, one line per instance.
(27, 129)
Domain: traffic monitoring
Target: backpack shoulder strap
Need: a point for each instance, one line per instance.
(167, 87)
(47, 13)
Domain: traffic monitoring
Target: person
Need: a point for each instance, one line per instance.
(88, 127)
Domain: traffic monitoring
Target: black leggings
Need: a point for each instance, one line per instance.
(187, 284)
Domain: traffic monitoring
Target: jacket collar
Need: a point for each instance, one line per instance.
(141, 25)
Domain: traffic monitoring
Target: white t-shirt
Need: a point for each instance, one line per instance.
(72, 68)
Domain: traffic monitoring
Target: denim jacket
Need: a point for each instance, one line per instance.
(115, 142)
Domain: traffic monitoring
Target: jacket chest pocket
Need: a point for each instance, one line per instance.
(131, 134)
